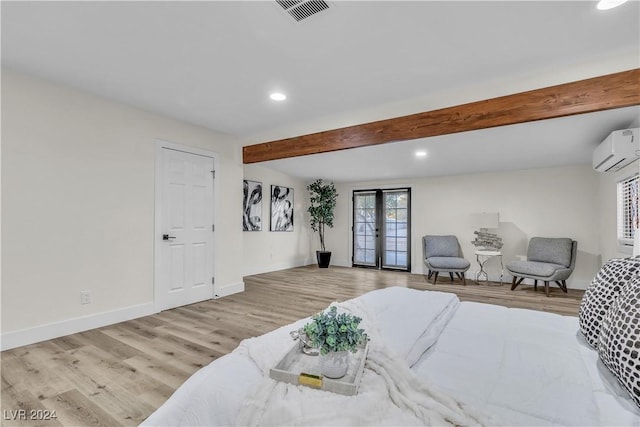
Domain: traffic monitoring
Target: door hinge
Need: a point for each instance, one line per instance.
(214, 174)
(213, 227)
(213, 280)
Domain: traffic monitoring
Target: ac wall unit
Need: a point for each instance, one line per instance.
(617, 150)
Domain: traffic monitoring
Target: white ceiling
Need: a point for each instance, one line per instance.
(214, 63)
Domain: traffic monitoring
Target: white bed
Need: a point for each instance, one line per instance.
(497, 365)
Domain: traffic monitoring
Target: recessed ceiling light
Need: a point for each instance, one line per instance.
(609, 4)
(277, 96)
(421, 153)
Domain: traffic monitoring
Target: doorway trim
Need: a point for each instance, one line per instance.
(157, 226)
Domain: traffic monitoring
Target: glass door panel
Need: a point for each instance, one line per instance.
(365, 228)
(396, 224)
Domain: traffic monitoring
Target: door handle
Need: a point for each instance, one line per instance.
(167, 237)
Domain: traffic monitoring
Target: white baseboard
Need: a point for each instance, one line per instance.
(49, 331)
(341, 262)
(231, 289)
(276, 266)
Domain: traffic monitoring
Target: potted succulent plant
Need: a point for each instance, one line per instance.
(335, 335)
(321, 209)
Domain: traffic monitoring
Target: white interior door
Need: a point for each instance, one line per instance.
(186, 224)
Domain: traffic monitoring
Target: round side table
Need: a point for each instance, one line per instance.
(484, 255)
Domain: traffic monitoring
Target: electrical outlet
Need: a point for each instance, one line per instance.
(85, 297)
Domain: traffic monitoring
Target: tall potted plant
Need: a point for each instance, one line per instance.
(323, 204)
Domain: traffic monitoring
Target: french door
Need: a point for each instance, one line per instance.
(381, 228)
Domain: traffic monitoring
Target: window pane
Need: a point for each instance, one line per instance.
(370, 256)
(390, 243)
(370, 214)
(390, 201)
(401, 259)
(370, 242)
(402, 201)
(370, 201)
(627, 210)
(391, 229)
(401, 244)
(390, 258)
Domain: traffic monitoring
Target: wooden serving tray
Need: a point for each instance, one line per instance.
(301, 369)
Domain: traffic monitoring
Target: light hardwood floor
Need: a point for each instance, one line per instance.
(118, 375)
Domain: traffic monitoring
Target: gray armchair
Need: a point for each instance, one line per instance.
(443, 254)
(549, 260)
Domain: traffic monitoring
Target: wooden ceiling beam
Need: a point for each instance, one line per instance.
(584, 96)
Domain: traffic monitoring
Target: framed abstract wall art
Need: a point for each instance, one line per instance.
(281, 208)
(252, 206)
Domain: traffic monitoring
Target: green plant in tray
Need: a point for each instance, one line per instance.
(332, 332)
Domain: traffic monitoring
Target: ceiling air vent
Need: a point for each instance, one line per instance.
(301, 9)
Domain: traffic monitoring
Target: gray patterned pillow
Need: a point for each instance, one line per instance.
(619, 343)
(605, 287)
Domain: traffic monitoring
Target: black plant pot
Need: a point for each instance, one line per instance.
(323, 257)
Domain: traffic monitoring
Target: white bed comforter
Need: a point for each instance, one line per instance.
(521, 367)
(402, 323)
(528, 368)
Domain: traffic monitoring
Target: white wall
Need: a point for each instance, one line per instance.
(78, 206)
(550, 202)
(265, 250)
